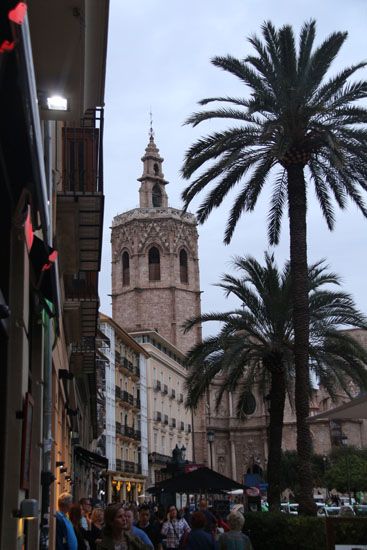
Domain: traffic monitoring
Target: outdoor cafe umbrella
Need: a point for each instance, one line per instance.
(202, 480)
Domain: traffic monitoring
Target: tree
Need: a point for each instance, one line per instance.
(347, 470)
(255, 345)
(293, 127)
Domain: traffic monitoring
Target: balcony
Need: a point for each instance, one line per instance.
(173, 394)
(158, 417)
(127, 467)
(165, 389)
(157, 385)
(158, 458)
(127, 432)
(126, 398)
(80, 196)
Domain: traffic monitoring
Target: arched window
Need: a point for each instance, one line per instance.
(154, 264)
(125, 269)
(156, 195)
(184, 275)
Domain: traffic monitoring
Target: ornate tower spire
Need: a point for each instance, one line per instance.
(152, 190)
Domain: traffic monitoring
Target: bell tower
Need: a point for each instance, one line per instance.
(155, 264)
(155, 271)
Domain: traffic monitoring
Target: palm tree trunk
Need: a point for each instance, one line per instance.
(299, 272)
(277, 401)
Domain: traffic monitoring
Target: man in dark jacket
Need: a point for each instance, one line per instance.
(151, 528)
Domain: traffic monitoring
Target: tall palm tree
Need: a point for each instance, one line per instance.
(293, 127)
(255, 345)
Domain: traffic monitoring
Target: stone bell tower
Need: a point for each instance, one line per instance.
(155, 271)
(155, 264)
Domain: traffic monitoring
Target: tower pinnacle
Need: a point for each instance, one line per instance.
(152, 190)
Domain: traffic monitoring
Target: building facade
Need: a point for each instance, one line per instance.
(125, 435)
(169, 422)
(49, 278)
(155, 275)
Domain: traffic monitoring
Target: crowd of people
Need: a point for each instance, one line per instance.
(119, 526)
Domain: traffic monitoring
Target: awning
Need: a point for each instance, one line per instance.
(202, 480)
(93, 459)
(356, 408)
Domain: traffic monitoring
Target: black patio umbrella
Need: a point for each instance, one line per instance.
(202, 480)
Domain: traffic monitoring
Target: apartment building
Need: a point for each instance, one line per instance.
(125, 435)
(169, 422)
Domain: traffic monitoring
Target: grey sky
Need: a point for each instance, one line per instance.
(159, 55)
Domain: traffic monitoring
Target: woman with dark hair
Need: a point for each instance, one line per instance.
(115, 535)
(198, 538)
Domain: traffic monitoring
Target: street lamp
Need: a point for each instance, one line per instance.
(210, 435)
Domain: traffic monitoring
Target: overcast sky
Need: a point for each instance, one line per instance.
(159, 55)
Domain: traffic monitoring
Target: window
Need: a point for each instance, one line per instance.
(184, 276)
(125, 269)
(154, 264)
(156, 196)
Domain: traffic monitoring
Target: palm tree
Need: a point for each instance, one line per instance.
(255, 345)
(293, 127)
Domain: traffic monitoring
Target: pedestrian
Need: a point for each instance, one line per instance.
(65, 535)
(86, 508)
(198, 538)
(97, 521)
(211, 520)
(174, 529)
(149, 526)
(235, 539)
(135, 530)
(115, 534)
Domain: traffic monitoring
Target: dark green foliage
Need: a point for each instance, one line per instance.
(347, 470)
(289, 470)
(284, 532)
(290, 115)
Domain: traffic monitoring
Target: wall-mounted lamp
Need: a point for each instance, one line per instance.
(57, 103)
(28, 509)
(59, 463)
(63, 470)
(65, 374)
